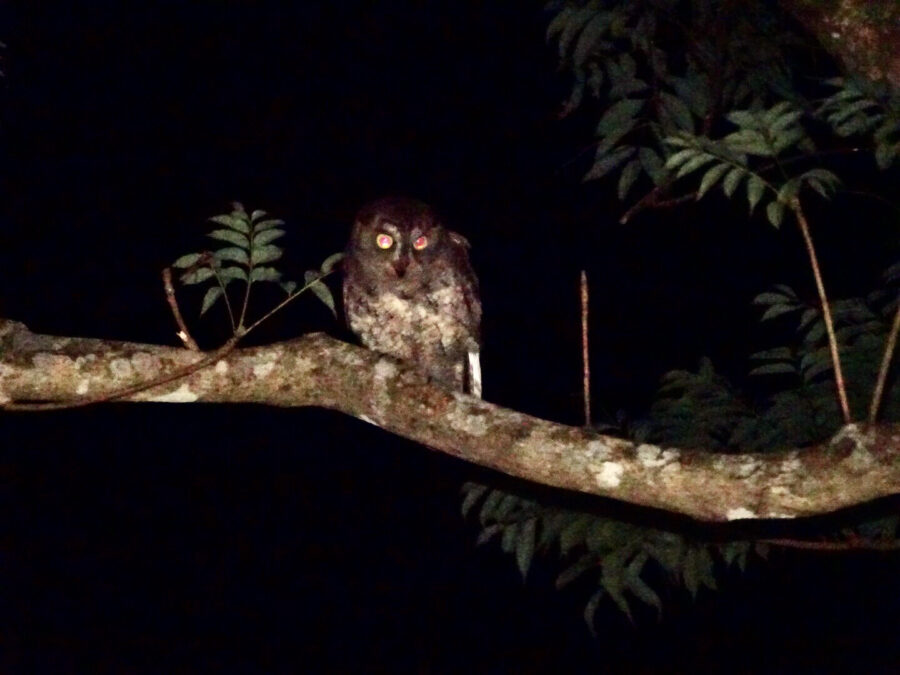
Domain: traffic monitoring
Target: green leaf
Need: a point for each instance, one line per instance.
(677, 159)
(774, 369)
(212, 294)
(265, 274)
(885, 154)
(474, 492)
(329, 262)
(789, 190)
(678, 112)
(289, 286)
(488, 506)
(267, 236)
(711, 177)
(618, 115)
(775, 213)
(588, 562)
(774, 353)
(590, 609)
(786, 120)
(573, 533)
(509, 538)
(232, 253)
(732, 180)
(257, 214)
(748, 141)
(234, 222)
(605, 164)
(488, 533)
(694, 163)
(755, 188)
(187, 260)
(653, 165)
(322, 292)
(629, 174)
(525, 546)
(264, 254)
(230, 236)
(266, 224)
(196, 276)
(746, 119)
(777, 310)
(230, 273)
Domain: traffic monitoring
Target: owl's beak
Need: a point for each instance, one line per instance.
(400, 265)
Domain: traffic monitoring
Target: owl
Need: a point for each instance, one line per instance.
(410, 292)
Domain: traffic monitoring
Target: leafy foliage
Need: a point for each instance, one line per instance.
(728, 104)
(246, 255)
(702, 92)
(859, 108)
(703, 409)
(607, 553)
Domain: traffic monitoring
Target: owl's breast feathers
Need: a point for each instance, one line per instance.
(435, 328)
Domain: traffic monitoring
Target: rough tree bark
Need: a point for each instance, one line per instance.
(864, 36)
(317, 370)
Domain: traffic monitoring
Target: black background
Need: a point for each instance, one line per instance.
(164, 539)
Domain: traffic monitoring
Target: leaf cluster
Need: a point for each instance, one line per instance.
(246, 255)
(861, 108)
(703, 409)
(611, 556)
(631, 56)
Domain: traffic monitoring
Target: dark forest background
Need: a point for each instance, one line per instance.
(161, 538)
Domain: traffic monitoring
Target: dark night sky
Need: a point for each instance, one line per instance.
(156, 539)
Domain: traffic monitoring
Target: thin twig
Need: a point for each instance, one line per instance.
(885, 366)
(826, 310)
(585, 354)
(183, 331)
(207, 360)
(854, 544)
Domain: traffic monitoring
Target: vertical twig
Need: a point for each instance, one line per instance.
(826, 310)
(183, 331)
(889, 347)
(585, 356)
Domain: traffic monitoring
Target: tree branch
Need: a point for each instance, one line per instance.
(317, 370)
(863, 36)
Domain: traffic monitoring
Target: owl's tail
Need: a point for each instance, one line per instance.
(475, 374)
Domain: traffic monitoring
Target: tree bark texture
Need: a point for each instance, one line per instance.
(864, 36)
(317, 370)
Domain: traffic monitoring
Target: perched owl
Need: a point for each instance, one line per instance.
(410, 292)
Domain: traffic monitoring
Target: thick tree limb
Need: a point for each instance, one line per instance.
(321, 371)
(864, 36)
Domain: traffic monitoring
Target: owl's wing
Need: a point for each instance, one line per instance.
(468, 312)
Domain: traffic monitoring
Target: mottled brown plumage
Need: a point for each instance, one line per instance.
(410, 292)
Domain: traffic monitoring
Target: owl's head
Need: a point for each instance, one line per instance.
(397, 238)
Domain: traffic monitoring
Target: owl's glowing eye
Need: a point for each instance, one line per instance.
(420, 243)
(384, 241)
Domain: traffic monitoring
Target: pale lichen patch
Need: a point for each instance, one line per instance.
(262, 370)
(145, 364)
(609, 475)
(385, 370)
(736, 466)
(221, 367)
(740, 513)
(461, 418)
(49, 361)
(84, 384)
(653, 456)
(121, 368)
(184, 394)
(598, 451)
(84, 360)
